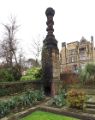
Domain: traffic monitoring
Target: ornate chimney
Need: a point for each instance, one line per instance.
(50, 57)
(50, 40)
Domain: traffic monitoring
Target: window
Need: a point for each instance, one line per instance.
(72, 59)
(73, 52)
(83, 57)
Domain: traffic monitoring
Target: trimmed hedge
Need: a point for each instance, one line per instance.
(8, 88)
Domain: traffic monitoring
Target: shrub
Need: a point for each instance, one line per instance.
(34, 73)
(76, 98)
(87, 74)
(39, 95)
(6, 75)
(4, 108)
(16, 72)
(4, 92)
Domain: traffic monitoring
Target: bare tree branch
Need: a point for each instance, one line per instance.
(9, 43)
(36, 48)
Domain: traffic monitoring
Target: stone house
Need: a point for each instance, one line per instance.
(76, 54)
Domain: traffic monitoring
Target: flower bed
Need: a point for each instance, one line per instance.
(28, 99)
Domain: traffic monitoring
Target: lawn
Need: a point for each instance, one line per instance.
(40, 115)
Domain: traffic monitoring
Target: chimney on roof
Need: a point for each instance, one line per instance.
(92, 45)
(63, 44)
(91, 38)
(92, 41)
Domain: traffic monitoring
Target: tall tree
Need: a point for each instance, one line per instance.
(9, 42)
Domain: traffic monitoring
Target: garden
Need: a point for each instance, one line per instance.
(69, 104)
(24, 83)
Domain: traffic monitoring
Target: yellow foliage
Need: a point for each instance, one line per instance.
(76, 98)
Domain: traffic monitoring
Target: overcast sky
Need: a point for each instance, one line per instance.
(73, 19)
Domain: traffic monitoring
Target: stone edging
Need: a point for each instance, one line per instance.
(81, 116)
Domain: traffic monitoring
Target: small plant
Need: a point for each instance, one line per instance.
(58, 100)
(76, 98)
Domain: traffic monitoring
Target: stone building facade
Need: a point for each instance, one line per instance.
(76, 54)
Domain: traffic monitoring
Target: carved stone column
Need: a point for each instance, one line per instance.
(50, 58)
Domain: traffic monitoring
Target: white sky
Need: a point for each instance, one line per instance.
(73, 19)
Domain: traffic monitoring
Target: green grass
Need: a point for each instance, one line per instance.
(40, 115)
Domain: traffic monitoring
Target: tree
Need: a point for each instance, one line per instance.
(37, 49)
(9, 48)
(21, 60)
(9, 43)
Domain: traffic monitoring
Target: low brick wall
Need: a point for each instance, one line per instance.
(17, 87)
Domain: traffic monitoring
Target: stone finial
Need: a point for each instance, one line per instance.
(50, 13)
(50, 40)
